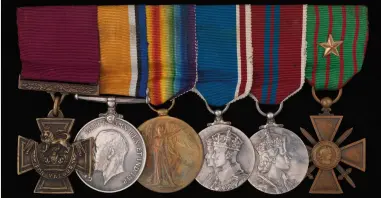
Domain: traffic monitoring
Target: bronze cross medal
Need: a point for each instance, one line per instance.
(55, 158)
(326, 154)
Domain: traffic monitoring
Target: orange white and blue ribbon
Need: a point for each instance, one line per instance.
(225, 53)
(123, 49)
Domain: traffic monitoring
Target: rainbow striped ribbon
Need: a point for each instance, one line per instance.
(279, 51)
(171, 51)
(347, 23)
(224, 53)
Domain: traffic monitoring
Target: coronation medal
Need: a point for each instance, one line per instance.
(229, 155)
(120, 152)
(281, 156)
(174, 149)
(337, 38)
(54, 159)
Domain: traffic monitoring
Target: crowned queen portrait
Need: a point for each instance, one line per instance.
(222, 150)
(274, 163)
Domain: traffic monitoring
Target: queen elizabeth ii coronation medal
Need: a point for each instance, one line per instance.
(228, 153)
(282, 158)
(120, 152)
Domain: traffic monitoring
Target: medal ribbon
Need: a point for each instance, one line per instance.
(123, 48)
(278, 34)
(59, 43)
(224, 53)
(171, 51)
(345, 23)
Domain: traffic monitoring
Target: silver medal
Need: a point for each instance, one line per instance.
(120, 152)
(282, 158)
(229, 156)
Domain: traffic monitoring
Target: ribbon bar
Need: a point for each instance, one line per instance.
(230, 50)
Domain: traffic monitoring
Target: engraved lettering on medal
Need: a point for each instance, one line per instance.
(115, 168)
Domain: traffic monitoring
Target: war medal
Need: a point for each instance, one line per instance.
(55, 158)
(337, 37)
(228, 153)
(282, 158)
(120, 152)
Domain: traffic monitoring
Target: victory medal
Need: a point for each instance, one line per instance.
(174, 153)
(174, 149)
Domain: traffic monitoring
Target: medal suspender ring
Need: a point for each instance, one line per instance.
(159, 111)
(269, 114)
(326, 101)
(56, 111)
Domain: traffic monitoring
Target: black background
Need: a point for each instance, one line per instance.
(359, 104)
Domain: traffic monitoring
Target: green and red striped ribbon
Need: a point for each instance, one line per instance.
(348, 23)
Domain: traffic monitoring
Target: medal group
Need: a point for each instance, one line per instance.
(130, 54)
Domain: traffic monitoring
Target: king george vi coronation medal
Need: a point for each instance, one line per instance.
(120, 152)
(229, 156)
(282, 158)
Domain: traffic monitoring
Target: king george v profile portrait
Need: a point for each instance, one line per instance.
(274, 163)
(111, 149)
(228, 173)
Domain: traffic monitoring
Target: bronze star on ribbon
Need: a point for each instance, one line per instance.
(331, 46)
